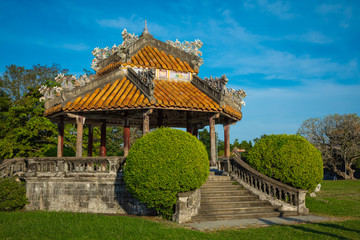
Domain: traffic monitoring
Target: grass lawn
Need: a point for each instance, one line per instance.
(337, 198)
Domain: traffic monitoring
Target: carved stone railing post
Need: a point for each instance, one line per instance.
(187, 206)
(60, 165)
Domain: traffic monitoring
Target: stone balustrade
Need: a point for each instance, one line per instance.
(277, 193)
(12, 167)
(34, 165)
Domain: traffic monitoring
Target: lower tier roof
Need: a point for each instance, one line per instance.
(123, 94)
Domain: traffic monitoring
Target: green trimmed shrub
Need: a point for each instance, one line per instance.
(12, 195)
(290, 159)
(163, 163)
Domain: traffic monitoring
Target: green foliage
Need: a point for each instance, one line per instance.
(26, 133)
(243, 145)
(16, 80)
(163, 163)
(12, 195)
(291, 159)
(204, 137)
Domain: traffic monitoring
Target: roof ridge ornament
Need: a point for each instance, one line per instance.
(145, 31)
(192, 48)
(219, 84)
(102, 53)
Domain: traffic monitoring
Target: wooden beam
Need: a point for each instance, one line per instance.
(103, 139)
(79, 135)
(126, 137)
(227, 138)
(90, 140)
(60, 146)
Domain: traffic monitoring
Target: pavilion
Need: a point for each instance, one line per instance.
(143, 83)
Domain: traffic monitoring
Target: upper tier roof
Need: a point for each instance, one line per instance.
(150, 57)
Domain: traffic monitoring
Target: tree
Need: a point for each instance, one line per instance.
(115, 139)
(26, 133)
(246, 145)
(338, 138)
(204, 137)
(16, 80)
(291, 159)
(163, 163)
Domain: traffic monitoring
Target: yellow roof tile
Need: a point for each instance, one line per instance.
(124, 94)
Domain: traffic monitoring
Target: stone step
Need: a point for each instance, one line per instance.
(238, 192)
(221, 186)
(237, 210)
(214, 205)
(222, 199)
(218, 184)
(214, 217)
(218, 178)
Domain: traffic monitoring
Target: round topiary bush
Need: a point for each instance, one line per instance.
(163, 163)
(12, 195)
(291, 159)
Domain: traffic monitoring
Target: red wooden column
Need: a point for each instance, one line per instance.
(227, 138)
(90, 141)
(126, 137)
(103, 139)
(60, 146)
(213, 157)
(79, 135)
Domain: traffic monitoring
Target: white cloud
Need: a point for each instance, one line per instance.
(132, 24)
(75, 47)
(329, 8)
(275, 64)
(343, 13)
(282, 110)
(279, 8)
(316, 37)
(68, 46)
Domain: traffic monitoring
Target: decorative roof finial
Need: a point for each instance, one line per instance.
(145, 31)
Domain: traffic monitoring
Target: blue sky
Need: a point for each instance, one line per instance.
(295, 59)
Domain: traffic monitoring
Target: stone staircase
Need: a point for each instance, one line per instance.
(223, 199)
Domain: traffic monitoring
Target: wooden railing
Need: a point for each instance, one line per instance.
(279, 194)
(20, 166)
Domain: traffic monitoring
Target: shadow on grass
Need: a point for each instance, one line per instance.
(314, 231)
(331, 225)
(321, 231)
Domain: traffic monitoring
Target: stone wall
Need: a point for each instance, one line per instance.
(86, 192)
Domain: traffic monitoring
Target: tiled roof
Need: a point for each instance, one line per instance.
(150, 57)
(123, 94)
